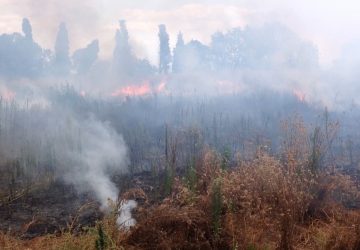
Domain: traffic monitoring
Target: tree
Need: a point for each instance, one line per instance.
(84, 58)
(165, 56)
(125, 64)
(228, 49)
(62, 61)
(178, 54)
(26, 28)
(196, 57)
(264, 47)
(20, 56)
(123, 58)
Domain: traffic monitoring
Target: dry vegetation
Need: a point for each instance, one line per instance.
(295, 200)
(258, 205)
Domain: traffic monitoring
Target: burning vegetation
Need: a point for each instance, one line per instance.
(222, 180)
(245, 142)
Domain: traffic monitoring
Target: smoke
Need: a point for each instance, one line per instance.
(241, 48)
(305, 19)
(48, 126)
(125, 219)
(88, 153)
(93, 150)
(328, 24)
(270, 56)
(245, 57)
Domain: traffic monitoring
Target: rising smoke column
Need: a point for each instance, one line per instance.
(97, 151)
(89, 151)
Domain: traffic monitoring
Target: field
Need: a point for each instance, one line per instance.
(261, 183)
(179, 125)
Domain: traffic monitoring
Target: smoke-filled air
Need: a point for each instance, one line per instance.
(179, 124)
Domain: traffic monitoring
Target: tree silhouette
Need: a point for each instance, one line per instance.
(62, 61)
(178, 54)
(123, 57)
(165, 56)
(84, 58)
(26, 28)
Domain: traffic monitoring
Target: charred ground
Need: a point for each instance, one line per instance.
(205, 174)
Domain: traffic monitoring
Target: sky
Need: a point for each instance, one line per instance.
(329, 24)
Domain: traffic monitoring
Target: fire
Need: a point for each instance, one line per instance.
(161, 87)
(133, 90)
(299, 95)
(139, 90)
(7, 94)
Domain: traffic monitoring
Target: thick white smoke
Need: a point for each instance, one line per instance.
(125, 220)
(95, 152)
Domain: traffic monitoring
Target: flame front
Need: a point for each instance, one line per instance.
(161, 87)
(139, 90)
(299, 95)
(133, 90)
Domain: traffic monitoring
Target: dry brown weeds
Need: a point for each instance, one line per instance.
(267, 203)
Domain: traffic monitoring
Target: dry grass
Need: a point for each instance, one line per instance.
(267, 203)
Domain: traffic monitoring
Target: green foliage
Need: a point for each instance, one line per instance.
(226, 156)
(169, 180)
(101, 242)
(191, 177)
(251, 247)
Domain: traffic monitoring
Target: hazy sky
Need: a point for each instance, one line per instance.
(329, 24)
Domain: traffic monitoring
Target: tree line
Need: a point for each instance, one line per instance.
(266, 47)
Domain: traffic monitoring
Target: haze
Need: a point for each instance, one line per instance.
(331, 25)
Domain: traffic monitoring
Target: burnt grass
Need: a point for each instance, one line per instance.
(59, 207)
(48, 211)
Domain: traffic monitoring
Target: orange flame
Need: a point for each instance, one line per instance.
(139, 90)
(161, 87)
(133, 90)
(299, 95)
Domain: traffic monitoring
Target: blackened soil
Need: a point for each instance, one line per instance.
(59, 207)
(47, 211)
